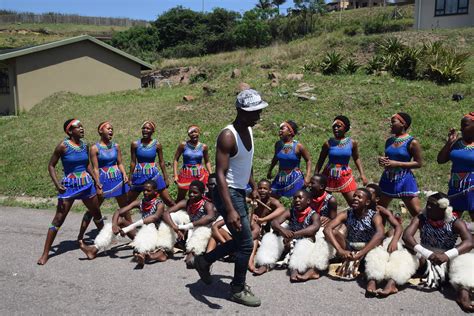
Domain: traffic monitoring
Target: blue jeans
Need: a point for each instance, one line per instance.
(242, 242)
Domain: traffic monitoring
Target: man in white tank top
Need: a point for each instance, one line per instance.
(234, 156)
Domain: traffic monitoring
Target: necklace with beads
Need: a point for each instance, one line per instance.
(109, 146)
(69, 143)
(149, 145)
(398, 141)
(194, 148)
(342, 142)
(468, 147)
(287, 147)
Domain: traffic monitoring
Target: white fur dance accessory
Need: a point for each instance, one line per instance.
(132, 226)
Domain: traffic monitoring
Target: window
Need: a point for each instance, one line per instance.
(4, 81)
(451, 7)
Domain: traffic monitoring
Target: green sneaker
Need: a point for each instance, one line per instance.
(244, 296)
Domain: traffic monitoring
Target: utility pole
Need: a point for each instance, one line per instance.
(202, 6)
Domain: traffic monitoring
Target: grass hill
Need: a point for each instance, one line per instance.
(26, 142)
(28, 34)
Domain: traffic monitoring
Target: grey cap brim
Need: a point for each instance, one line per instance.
(262, 105)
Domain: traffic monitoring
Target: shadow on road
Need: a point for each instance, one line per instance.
(63, 247)
(218, 289)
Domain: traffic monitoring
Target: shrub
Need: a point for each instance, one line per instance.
(351, 66)
(311, 66)
(404, 62)
(351, 30)
(447, 67)
(374, 65)
(331, 63)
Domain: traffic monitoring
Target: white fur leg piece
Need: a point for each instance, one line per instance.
(461, 272)
(375, 263)
(387, 242)
(146, 239)
(166, 237)
(401, 266)
(105, 237)
(322, 252)
(270, 250)
(198, 240)
(300, 260)
(180, 217)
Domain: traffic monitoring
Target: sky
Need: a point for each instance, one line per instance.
(134, 9)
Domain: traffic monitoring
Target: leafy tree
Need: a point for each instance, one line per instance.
(278, 3)
(179, 25)
(253, 31)
(140, 41)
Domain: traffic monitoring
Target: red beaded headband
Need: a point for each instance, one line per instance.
(103, 124)
(151, 123)
(339, 122)
(400, 118)
(285, 123)
(72, 123)
(470, 116)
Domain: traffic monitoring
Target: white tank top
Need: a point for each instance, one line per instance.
(240, 165)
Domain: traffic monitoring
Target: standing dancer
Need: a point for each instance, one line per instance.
(460, 150)
(77, 184)
(402, 153)
(193, 152)
(106, 159)
(143, 167)
(234, 159)
(288, 153)
(340, 149)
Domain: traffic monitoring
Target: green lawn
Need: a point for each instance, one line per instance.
(27, 142)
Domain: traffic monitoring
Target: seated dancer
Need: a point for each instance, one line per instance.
(267, 209)
(436, 251)
(365, 231)
(321, 201)
(196, 220)
(151, 210)
(296, 238)
(383, 263)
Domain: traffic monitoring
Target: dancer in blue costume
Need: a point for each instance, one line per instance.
(288, 153)
(106, 159)
(460, 150)
(402, 153)
(143, 166)
(339, 151)
(79, 183)
(192, 169)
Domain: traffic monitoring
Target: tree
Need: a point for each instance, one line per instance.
(253, 31)
(278, 3)
(310, 7)
(264, 4)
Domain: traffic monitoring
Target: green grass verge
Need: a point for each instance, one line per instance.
(27, 142)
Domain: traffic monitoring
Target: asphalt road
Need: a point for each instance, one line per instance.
(70, 284)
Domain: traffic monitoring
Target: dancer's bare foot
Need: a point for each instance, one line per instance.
(189, 261)
(464, 301)
(389, 289)
(261, 270)
(294, 276)
(159, 255)
(252, 267)
(311, 274)
(371, 289)
(42, 260)
(90, 251)
(140, 257)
